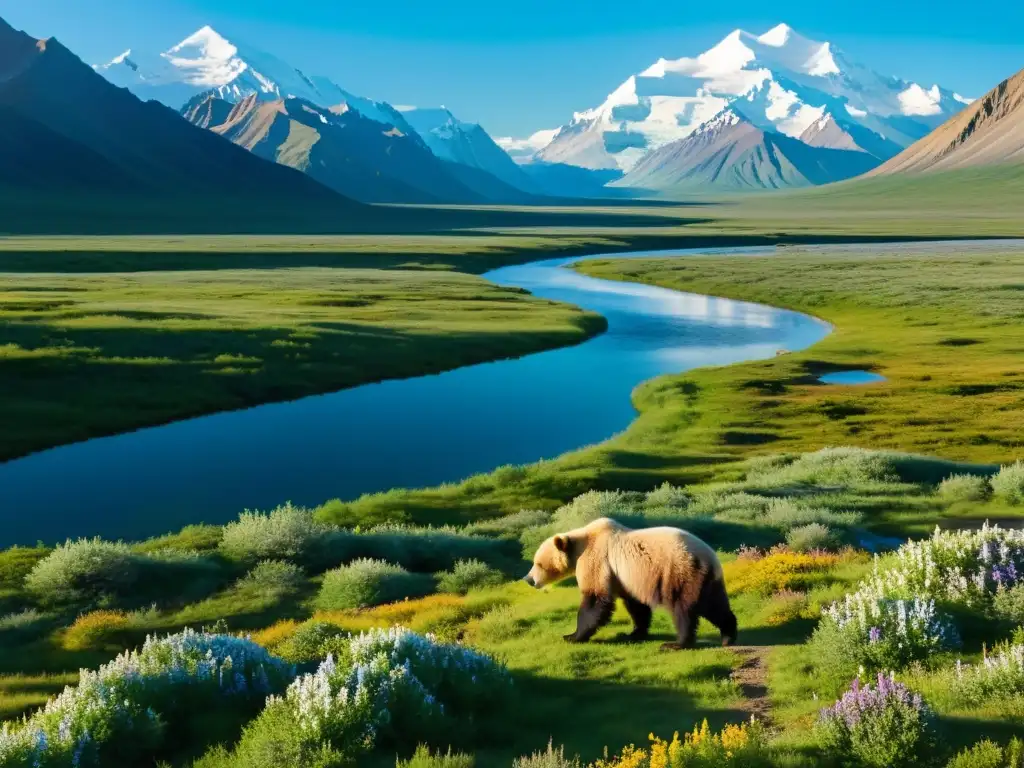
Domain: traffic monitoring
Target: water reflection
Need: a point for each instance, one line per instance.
(408, 433)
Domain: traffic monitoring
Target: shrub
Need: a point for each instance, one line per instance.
(84, 572)
(964, 488)
(468, 575)
(273, 576)
(287, 533)
(1009, 604)
(501, 624)
(122, 712)
(1008, 485)
(311, 641)
(388, 687)
(422, 550)
(191, 538)
(857, 466)
(667, 496)
(885, 726)
(550, 758)
(96, 630)
(23, 626)
(813, 536)
(1000, 674)
(423, 759)
(16, 563)
(984, 754)
(365, 583)
(589, 507)
(740, 745)
(780, 568)
(869, 630)
(964, 567)
(510, 526)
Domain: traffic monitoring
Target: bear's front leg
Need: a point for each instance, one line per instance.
(595, 611)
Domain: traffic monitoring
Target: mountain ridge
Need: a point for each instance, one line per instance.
(780, 80)
(989, 132)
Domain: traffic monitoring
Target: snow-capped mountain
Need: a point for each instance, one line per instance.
(730, 153)
(208, 62)
(780, 82)
(466, 143)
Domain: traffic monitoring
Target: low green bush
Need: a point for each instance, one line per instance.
(423, 759)
(421, 550)
(84, 573)
(16, 563)
(192, 538)
(812, 536)
(988, 754)
(312, 641)
(91, 573)
(501, 624)
(468, 575)
(964, 488)
(24, 626)
(273, 576)
(286, 533)
(1008, 485)
(1008, 604)
(509, 526)
(858, 466)
(365, 583)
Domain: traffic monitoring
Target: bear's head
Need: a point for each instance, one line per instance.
(551, 563)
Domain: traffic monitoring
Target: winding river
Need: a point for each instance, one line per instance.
(403, 433)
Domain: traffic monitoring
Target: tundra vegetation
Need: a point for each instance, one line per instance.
(879, 590)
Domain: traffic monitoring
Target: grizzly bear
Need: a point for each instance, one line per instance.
(646, 568)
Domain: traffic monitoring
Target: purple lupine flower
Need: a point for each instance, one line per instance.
(875, 634)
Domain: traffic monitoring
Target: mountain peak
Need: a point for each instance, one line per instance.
(209, 41)
(777, 36)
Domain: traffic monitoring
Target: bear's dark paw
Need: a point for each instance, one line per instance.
(631, 637)
(728, 640)
(572, 638)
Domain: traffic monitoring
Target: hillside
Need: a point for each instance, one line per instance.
(97, 139)
(731, 153)
(341, 149)
(989, 132)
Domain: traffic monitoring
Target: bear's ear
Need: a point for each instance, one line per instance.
(561, 543)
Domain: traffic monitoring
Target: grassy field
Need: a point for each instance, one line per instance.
(78, 607)
(88, 355)
(943, 326)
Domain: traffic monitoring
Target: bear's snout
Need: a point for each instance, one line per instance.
(528, 578)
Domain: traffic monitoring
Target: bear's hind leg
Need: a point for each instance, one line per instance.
(686, 620)
(714, 606)
(595, 611)
(641, 615)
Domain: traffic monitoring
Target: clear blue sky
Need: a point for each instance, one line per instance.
(520, 66)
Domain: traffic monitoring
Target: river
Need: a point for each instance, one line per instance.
(402, 433)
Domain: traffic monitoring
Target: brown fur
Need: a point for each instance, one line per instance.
(653, 567)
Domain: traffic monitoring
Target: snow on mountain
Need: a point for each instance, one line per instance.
(206, 61)
(731, 153)
(465, 143)
(781, 82)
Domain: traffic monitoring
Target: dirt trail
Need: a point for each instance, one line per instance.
(752, 678)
